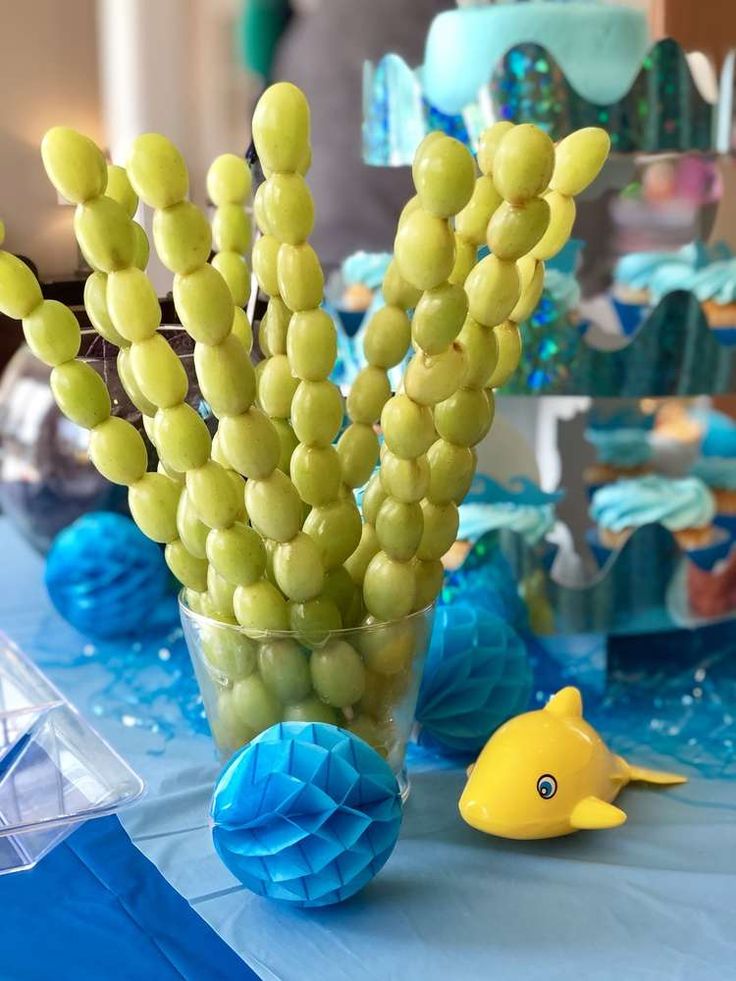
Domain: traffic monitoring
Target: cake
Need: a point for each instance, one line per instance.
(600, 47)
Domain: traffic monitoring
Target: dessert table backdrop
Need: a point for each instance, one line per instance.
(654, 899)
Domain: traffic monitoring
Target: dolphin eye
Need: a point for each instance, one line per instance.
(546, 786)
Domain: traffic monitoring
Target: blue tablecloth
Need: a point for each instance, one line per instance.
(655, 899)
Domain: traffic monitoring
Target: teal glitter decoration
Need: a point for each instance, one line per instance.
(306, 813)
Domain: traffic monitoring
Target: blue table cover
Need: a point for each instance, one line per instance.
(655, 899)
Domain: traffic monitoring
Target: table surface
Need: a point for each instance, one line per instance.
(654, 899)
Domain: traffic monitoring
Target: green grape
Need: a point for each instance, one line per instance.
(204, 304)
(451, 472)
(338, 675)
(562, 213)
(579, 159)
(316, 473)
(119, 189)
(160, 375)
(412, 205)
(399, 529)
(424, 250)
(182, 439)
(242, 330)
(396, 291)
(20, 293)
(217, 453)
(259, 208)
(358, 451)
(388, 649)
(493, 290)
(481, 352)
(404, 480)
(340, 588)
(431, 378)
(532, 285)
(377, 697)
(371, 732)
(229, 731)
(523, 164)
(441, 522)
(311, 344)
(289, 208)
(274, 507)
(298, 569)
(464, 418)
(388, 587)
(95, 303)
(368, 395)
(276, 387)
(142, 249)
(265, 264)
(335, 530)
(250, 443)
(514, 230)
(238, 483)
(490, 140)
(153, 502)
(357, 563)
(300, 278)
(373, 498)
(226, 376)
(228, 180)
(438, 317)
(444, 176)
(188, 569)
(215, 497)
(231, 229)
(314, 620)
(133, 391)
(408, 428)
(275, 327)
(234, 270)
(284, 669)
(387, 338)
(232, 655)
(237, 554)
(270, 546)
(74, 164)
(157, 171)
(80, 393)
(310, 710)
(472, 222)
(317, 412)
(281, 128)
(132, 304)
(191, 529)
(105, 234)
(117, 450)
(255, 704)
(508, 339)
(429, 577)
(51, 332)
(182, 237)
(288, 442)
(466, 256)
(221, 594)
(260, 606)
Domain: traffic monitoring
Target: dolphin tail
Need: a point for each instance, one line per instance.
(645, 775)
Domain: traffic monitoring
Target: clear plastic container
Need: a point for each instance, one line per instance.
(55, 770)
(365, 679)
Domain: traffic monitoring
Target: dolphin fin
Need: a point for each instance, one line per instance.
(567, 703)
(654, 776)
(592, 814)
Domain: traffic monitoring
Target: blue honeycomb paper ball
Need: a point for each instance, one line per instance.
(477, 675)
(104, 576)
(306, 813)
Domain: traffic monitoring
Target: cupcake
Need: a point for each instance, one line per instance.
(715, 288)
(530, 522)
(621, 453)
(712, 592)
(719, 473)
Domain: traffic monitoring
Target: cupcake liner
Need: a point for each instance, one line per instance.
(725, 335)
(707, 556)
(639, 571)
(727, 521)
(630, 315)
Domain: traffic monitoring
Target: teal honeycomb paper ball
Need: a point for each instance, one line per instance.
(306, 813)
(477, 675)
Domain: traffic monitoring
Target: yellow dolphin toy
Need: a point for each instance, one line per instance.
(548, 773)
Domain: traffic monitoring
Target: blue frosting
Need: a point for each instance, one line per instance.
(620, 447)
(676, 504)
(719, 437)
(367, 268)
(717, 472)
(532, 523)
(717, 282)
